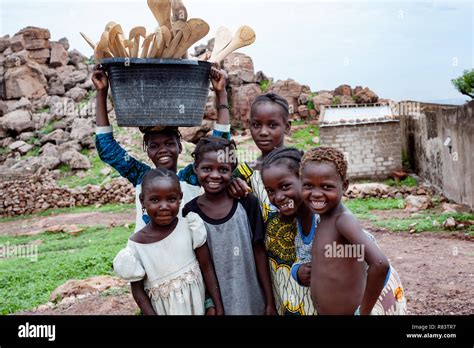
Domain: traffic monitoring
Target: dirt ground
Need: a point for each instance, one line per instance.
(436, 269)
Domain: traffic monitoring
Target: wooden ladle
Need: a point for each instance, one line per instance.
(88, 40)
(135, 34)
(199, 29)
(222, 39)
(243, 37)
(179, 11)
(161, 9)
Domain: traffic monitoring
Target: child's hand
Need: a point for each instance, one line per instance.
(271, 310)
(238, 188)
(304, 274)
(100, 80)
(211, 311)
(218, 78)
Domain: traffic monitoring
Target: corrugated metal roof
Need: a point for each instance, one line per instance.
(357, 113)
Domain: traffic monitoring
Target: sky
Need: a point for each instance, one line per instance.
(402, 50)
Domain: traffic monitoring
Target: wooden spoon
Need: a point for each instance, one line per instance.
(146, 45)
(221, 41)
(181, 26)
(179, 11)
(135, 34)
(157, 43)
(199, 29)
(171, 49)
(116, 41)
(161, 9)
(88, 40)
(243, 37)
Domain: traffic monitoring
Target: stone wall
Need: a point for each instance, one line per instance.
(373, 150)
(449, 166)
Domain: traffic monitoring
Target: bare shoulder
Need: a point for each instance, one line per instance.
(138, 237)
(347, 223)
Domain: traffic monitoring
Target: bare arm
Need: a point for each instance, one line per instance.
(218, 83)
(101, 83)
(209, 275)
(348, 226)
(263, 271)
(141, 298)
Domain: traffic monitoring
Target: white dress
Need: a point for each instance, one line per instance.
(171, 273)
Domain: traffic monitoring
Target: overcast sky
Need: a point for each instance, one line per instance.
(400, 49)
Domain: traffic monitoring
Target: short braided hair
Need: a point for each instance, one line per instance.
(327, 154)
(210, 144)
(161, 173)
(288, 156)
(173, 131)
(271, 98)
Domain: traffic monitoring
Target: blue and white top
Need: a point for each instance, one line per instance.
(133, 170)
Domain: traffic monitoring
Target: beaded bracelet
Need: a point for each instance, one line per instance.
(208, 303)
(222, 106)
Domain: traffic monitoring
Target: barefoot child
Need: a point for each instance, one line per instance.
(163, 261)
(162, 144)
(280, 174)
(234, 231)
(349, 273)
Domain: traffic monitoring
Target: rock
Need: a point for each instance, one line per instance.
(303, 99)
(193, 134)
(26, 136)
(105, 171)
(449, 223)
(35, 38)
(346, 100)
(239, 69)
(20, 146)
(48, 72)
(313, 114)
(55, 86)
(40, 56)
(76, 94)
(25, 81)
(416, 203)
(398, 195)
(74, 78)
(76, 57)
(18, 120)
(343, 90)
(17, 43)
(210, 111)
(287, 88)
(41, 119)
(23, 103)
(357, 90)
(370, 188)
(4, 42)
(260, 77)
(242, 99)
(49, 149)
(303, 111)
(59, 56)
(81, 128)
(65, 42)
(453, 208)
(57, 137)
(91, 285)
(366, 96)
(75, 160)
(6, 141)
(16, 59)
(324, 98)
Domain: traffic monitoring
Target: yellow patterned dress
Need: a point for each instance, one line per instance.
(290, 297)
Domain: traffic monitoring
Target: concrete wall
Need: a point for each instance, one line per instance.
(373, 150)
(451, 170)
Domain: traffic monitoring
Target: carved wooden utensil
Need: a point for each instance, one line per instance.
(221, 41)
(161, 9)
(134, 37)
(199, 29)
(88, 40)
(243, 37)
(179, 11)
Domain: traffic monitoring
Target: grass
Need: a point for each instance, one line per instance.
(93, 176)
(408, 181)
(264, 85)
(33, 141)
(106, 208)
(34, 152)
(26, 283)
(361, 207)
(303, 138)
(43, 110)
(4, 150)
(89, 96)
(47, 128)
(336, 100)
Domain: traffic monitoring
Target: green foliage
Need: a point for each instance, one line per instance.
(310, 105)
(47, 128)
(361, 207)
(408, 181)
(303, 138)
(4, 150)
(405, 160)
(465, 83)
(89, 96)
(64, 168)
(336, 100)
(32, 141)
(44, 110)
(34, 152)
(26, 283)
(264, 85)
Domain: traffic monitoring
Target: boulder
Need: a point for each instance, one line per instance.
(416, 203)
(210, 111)
(48, 72)
(303, 99)
(50, 149)
(25, 136)
(16, 59)
(55, 86)
(23, 103)
(287, 88)
(81, 128)
(346, 100)
(20, 146)
(65, 42)
(76, 94)
(35, 38)
(357, 90)
(57, 137)
(366, 96)
(17, 43)
(369, 189)
(75, 160)
(239, 68)
(260, 77)
(41, 119)
(40, 56)
(25, 81)
(74, 78)
(91, 285)
(242, 99)
(49, 162)
(193, 134)
(4, 42)
(453, 208)
(324, 98)
(343, 90)
(76, 57)
(59, 56)
(303, 111)
(18, 121)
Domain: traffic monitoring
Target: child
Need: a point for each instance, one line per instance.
(341, 283)
(162, 144)
(234, 231)
(288, 234)
(163, 260)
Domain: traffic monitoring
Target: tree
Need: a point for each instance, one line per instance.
(465, 83)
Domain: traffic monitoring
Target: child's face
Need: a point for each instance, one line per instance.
(283, 188)
(161, 199)
(213, 173)
(163, 150)
(268, 127)
(322, 186)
